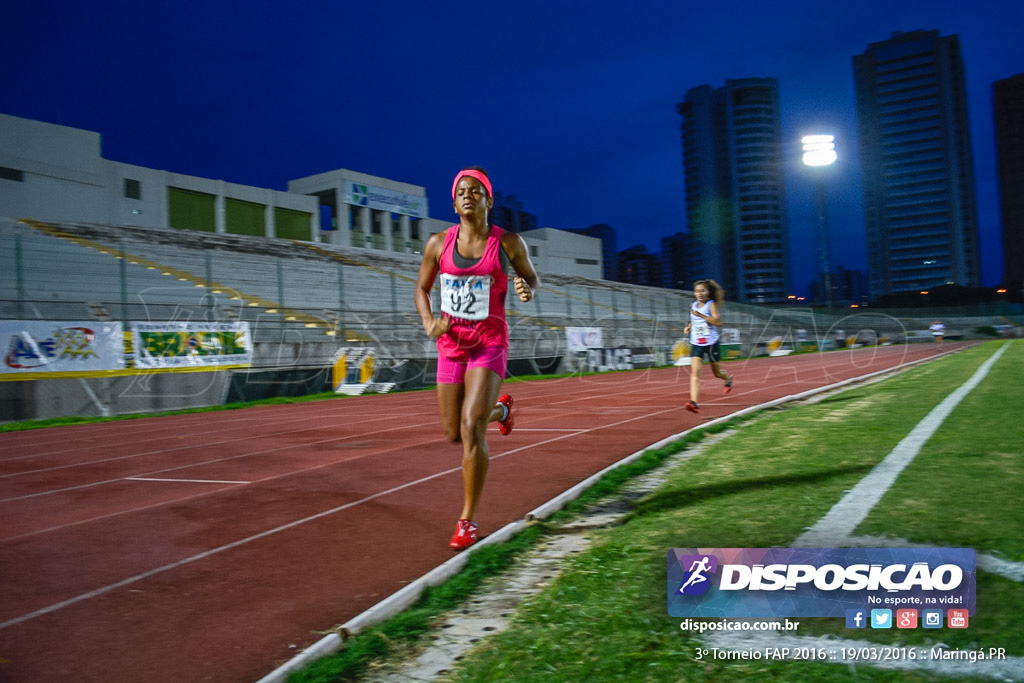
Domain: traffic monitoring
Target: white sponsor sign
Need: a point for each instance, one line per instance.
(604, 360)
(31, 346)
(583, 338)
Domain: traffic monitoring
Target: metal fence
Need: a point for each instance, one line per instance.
(319, 296)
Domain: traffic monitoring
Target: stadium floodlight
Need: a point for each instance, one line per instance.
(819, 150)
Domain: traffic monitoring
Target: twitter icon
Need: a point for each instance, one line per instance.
(881, 618)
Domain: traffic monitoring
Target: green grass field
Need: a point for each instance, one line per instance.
(605, 617)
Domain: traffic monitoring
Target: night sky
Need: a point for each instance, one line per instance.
(569, 105)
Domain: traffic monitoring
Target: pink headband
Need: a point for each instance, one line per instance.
(472, 174)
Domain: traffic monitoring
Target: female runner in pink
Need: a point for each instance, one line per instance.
(471, 332)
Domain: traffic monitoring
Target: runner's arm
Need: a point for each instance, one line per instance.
(434, 327)
(526, 282)
(712, 319)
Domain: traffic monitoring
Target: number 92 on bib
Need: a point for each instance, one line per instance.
(466, 296)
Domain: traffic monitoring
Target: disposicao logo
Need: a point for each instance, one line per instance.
(695, 581)
(816, 582)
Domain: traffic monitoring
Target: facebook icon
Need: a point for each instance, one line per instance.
(856, 618)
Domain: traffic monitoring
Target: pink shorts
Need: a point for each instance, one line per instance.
(494, 358)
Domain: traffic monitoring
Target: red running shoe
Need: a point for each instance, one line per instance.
(465, 535)
(509, 422)
(691, 406)
(728, 385)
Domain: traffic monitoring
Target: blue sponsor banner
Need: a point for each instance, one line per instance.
(817, 582)
(33, 346)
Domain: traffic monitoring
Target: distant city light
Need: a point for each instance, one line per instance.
(819, 150)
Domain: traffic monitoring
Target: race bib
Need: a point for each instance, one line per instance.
(701, 331)
(466, 296)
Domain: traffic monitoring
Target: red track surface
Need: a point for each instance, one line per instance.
(213, 547)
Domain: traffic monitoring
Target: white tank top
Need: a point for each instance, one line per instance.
(702, 333)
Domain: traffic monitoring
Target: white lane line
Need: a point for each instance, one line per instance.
(143, 433)
(187, 481)
(852, 508)
(835, 530)
(138, 433)
(200, 463)
(1014, 571)
(284, 527)
(213, 551)
(304, 470)
(106, 446)
(185, 447)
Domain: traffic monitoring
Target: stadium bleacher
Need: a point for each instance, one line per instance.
(303, 301)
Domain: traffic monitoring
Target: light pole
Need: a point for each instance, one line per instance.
(820, 152)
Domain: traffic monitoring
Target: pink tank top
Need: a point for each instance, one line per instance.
(473, 298)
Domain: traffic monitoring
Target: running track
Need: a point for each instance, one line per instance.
(214, 547)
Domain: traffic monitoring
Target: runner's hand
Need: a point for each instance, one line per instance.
(523, 289)
(435, 327)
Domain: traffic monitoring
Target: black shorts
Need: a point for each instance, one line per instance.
(711, 353)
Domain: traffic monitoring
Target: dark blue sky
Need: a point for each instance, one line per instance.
(569, 105)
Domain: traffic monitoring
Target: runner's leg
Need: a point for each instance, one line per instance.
(478, 409)
(695, 362)
(719, 372)
(450, 398)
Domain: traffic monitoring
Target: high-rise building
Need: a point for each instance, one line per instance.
(918, 174)
(848, 287)
(735, 188)
(509, 214)
(638, 266)
(674, 256)
(609, 248)
(1008, 109)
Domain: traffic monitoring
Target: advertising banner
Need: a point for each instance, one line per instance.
(731, 344)
(583, 338)
(33, 346)
(818, 582)
(623, 358)
(385, 200)
(169, 345)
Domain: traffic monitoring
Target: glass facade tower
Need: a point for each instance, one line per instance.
(918, 174)
(1008, 107)
(735, 188)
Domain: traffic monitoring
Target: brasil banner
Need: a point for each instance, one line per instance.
(170, 345)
